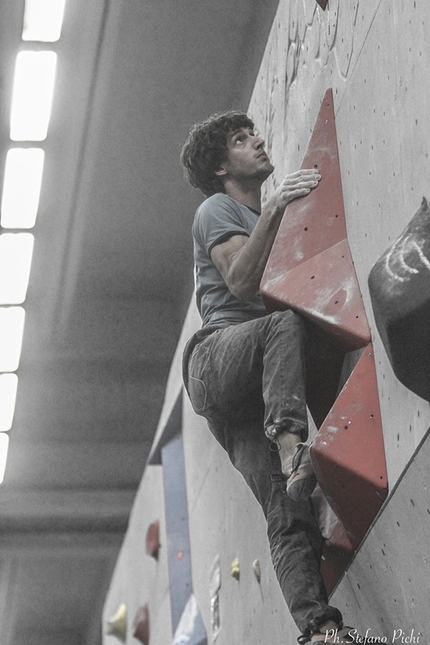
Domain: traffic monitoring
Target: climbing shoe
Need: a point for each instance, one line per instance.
(302, 481)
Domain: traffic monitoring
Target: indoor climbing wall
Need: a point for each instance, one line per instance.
(373, 56)
(310, 270)
(204, 575)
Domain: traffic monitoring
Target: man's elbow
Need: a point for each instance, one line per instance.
(242, 290)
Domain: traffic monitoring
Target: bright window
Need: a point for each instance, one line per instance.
(8, 386)
(16, 250)
(30, 114)
(21, 189)
(4, 445)
(11, 331)
(32, 95)
(43, 20)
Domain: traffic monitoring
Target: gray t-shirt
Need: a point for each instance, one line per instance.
(217, 219)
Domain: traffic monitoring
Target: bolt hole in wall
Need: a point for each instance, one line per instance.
(33, 87)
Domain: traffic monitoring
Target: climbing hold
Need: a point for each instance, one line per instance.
(399, 285)
(256, 567)
(310, 267)
(348, 452)
(322, 3)
(141, 625)
(235, 569)
(311, 271)
(117, 625)
(152, 540)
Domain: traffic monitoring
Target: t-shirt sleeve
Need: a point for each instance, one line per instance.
(216, 221)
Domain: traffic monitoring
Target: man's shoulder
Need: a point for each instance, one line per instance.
(223, 207)
(215, 209)
(216, 201)
(220, 215)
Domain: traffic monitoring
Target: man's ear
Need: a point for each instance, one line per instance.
(221, 172)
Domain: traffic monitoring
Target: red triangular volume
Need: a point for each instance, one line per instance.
(325, 290)
(348, 452)
(313, 223)
(311, 245)
(322, 3)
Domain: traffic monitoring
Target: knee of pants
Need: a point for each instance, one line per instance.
(290, 319)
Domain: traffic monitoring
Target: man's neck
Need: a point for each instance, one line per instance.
(249, 195)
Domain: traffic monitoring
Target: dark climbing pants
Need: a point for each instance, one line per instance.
(242, 379)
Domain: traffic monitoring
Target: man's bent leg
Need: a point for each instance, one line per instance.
(284, 373)
(267, 353)
(228, 371)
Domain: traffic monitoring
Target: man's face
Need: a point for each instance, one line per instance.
(246, 157)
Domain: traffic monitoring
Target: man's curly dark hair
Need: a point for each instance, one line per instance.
(206, 149)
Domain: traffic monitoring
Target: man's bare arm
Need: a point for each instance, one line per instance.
(241, 260)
